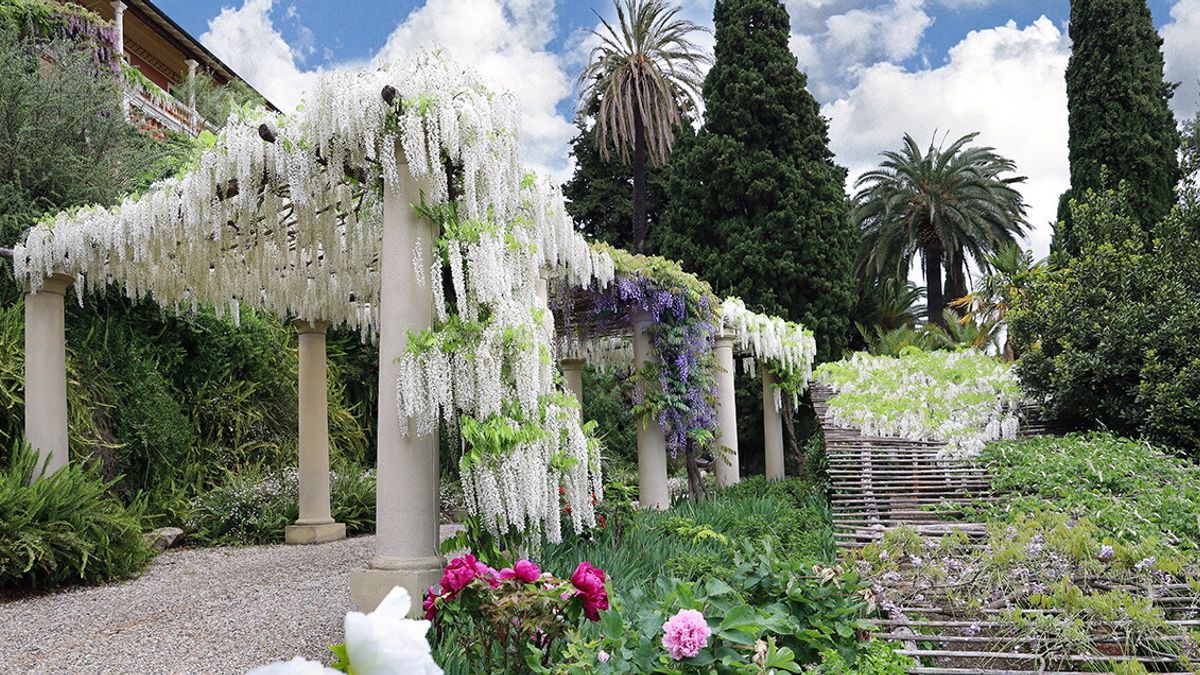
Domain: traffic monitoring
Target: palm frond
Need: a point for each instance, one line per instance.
(642, 77)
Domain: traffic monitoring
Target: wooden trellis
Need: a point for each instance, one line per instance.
(880, 483)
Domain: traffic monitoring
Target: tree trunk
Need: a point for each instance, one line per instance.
(935, 301)
(789, 437)
(956, 276)
(639, 185)
(696, 489)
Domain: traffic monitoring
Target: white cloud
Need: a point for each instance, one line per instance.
(507, 43)
(835, 39)
(504, 40)
(1005, 82)
(1181, 49)
(248, 41)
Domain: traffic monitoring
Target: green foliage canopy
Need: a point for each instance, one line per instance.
(756, 204)
(1121, 127)
(1110, 336)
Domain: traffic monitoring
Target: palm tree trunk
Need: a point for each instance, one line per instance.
(936, 302)
(639, 185)
(956, 276)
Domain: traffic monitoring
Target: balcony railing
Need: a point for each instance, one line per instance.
(162, 109)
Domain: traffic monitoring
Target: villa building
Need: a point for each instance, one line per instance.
(165, 57)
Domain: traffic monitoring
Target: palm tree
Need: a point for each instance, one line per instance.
(947, 204)
(997, 292)
(642, 79)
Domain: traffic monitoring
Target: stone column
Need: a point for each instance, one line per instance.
(119, 25)
(543, 286)
(725, 455)
(772, 428)
(46, 373)
(573, 377)
(191, 102)
(652, 445)
(406, 529)
(315, 524)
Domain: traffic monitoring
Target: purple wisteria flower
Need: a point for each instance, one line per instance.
(683, 337)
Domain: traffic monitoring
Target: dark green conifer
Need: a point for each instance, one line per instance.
(1121, 125)
(755, 203)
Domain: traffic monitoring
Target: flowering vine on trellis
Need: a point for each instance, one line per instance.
(785, 348)
(963, 398)
(678, 388)
(285, 213)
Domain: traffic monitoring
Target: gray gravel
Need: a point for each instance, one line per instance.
(216, 610)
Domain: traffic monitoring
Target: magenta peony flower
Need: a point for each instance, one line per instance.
(685, 634)
(589, 581)
(524, 571)
(486, 573)
(458, 573)
(430, 604)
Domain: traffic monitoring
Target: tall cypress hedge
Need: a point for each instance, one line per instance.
(1121, 126)
(756, 205)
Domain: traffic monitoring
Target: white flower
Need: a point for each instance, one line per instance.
(297, 666)
(387, 642)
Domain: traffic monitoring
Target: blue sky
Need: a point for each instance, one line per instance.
(356, 29)
(880, 68)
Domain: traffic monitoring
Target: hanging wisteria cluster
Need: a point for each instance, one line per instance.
(486, 368)
(964, 398)
(612, 354)
(285, 213)
(787, 349)
(678, 388)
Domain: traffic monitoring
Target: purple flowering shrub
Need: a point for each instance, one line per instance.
(678, 389)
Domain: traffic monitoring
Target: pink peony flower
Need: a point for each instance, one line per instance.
(685, 634)
(524, 571)
(589, 581)
(458, 573)
(602, 656)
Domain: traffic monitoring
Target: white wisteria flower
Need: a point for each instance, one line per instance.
(964, 398)
(787, 348)
(285, 214)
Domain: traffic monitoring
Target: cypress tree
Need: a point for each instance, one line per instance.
(1121, 126)
(755, 203)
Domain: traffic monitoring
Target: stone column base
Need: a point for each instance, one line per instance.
(314, 534)
(369, 586)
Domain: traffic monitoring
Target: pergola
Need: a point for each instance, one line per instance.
(286, 215)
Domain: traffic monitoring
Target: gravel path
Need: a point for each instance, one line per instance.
(216, 610)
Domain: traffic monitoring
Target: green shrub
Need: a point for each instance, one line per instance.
(874, 657)
(1131, 490)
(252, 506)
(791, 516)
(1110, 336)
(607, 401)
(791, 611)
(64, 528)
